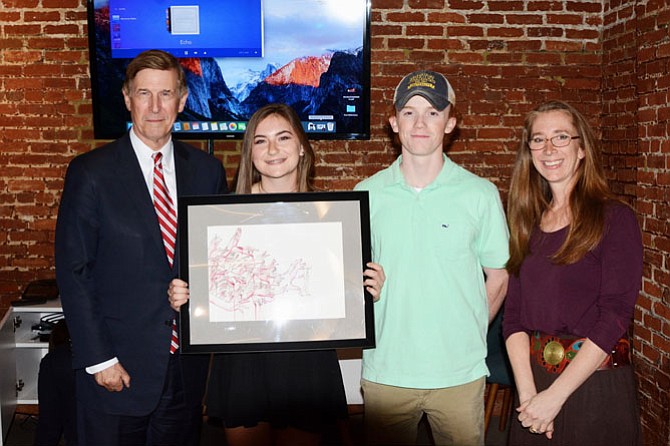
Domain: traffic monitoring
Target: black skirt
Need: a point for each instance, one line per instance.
(303, 390)
(603, 411)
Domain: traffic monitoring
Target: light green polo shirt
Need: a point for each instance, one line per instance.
(432, 317)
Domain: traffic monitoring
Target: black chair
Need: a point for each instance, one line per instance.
(501, 378)
(56, 392)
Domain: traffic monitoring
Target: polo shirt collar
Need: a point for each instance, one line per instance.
(442, 177)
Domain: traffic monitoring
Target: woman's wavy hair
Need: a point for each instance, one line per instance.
(247, 174)
(530, 195)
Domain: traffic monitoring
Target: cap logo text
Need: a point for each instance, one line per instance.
(421, 80)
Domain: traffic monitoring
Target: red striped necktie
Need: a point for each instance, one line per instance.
(167, 220)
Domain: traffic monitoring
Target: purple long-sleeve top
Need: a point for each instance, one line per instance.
(593, 298)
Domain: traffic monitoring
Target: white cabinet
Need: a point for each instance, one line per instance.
(7, 374)
(20, 353)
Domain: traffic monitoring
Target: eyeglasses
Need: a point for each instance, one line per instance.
(539, 142)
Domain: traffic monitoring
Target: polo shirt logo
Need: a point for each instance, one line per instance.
(445, 226)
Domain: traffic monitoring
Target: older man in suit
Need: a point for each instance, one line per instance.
(115, 242)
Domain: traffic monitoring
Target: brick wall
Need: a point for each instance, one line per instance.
(501, 56)
(644, 147)
(43, 109)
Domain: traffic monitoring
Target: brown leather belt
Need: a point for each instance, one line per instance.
(554, 353)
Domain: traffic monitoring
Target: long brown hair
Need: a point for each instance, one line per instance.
(530, 195)
(247, 174)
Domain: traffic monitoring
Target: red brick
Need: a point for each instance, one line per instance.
(473, 5)
(485, 18)
(385, 30)
(445, 17)
(40, 16)
(445, 44)
(406, 43)
(544, 59)
(426, 4)
(545, 31)
(405, 17)
(20, 4)
(463, 31)
(426, 56)
(652, 322)
(504, 58)
(589, 60)
(42, 71)
(13, 44)
(526, 45)
(389, 4)
(591, 34)
(505, 32)
(466, 57)
(565, 19)
(9, 16)
(425, 30)
(78, 43)
(75, 16)
(60, 4)
(581, 83)
(584, 6)
(495, 134)
(506, 5)
(548, 5)
(22, 57)
(523, 19)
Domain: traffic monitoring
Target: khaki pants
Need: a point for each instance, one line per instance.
(455, 414)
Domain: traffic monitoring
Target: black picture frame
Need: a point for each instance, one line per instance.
(275, 272)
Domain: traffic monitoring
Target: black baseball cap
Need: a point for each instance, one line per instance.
(433, 86)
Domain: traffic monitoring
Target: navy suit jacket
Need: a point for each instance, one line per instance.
(113, 273)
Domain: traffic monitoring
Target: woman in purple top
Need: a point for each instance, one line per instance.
(575, 273)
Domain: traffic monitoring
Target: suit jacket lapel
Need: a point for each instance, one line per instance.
(183, 169)
(130, 175)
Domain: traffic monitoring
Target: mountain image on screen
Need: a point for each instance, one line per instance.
(312, 84)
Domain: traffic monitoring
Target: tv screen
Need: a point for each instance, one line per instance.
(313, 55)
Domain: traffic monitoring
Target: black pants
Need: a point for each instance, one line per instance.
(172, 423)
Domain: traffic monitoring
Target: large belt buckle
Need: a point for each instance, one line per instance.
(553, 353)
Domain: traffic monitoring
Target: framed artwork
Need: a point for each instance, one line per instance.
(275, 272)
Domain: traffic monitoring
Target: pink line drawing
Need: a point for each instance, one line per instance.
(244, 277)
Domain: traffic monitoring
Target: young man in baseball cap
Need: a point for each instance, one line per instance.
(440, 233)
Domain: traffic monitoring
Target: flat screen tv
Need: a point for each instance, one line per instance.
(313, 55)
